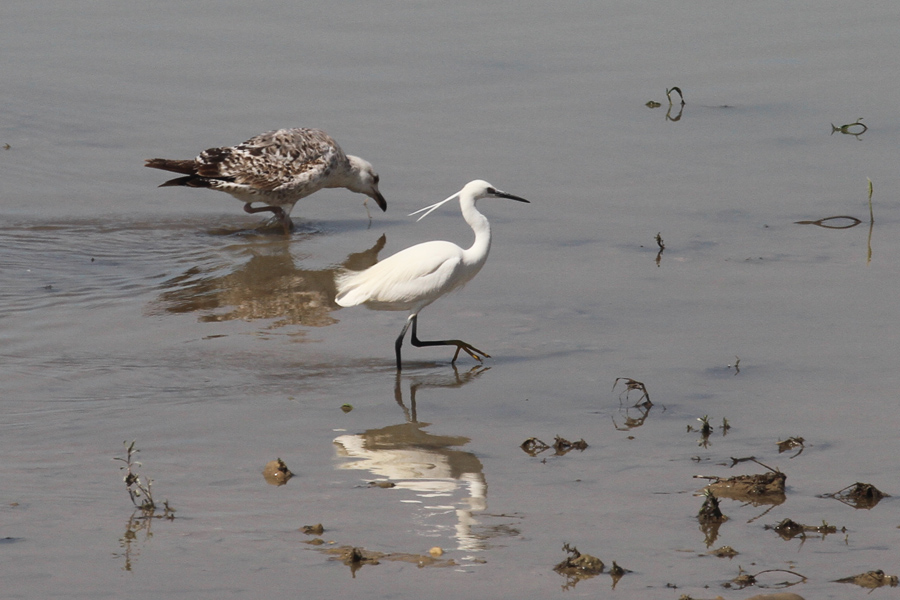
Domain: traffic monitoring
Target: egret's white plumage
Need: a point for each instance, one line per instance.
(277, 168)
(417, 276)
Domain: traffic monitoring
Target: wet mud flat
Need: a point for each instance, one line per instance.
(693, 328)
(256, 433)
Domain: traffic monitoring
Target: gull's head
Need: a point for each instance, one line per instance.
(365, 180)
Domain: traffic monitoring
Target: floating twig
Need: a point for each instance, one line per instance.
(634, 384)
(854, 129)
(824, 222)
(871, 222)
(674, 89)
(745, 579)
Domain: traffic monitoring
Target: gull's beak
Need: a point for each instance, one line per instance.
(379, 200)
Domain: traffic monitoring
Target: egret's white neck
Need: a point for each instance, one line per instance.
(477, 253)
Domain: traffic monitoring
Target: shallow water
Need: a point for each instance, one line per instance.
(165, 316)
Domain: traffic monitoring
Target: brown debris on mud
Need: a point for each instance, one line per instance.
(706, 430)
(578, 566)
(761, 488)
(790, 444)
(710, 511)
(859, 495)
(789, 529)
(276, 472)
(710, 518)
(870, 579)
(316, 529)
(745, 579)
(533, 446)
(723, 552)
(356, 557)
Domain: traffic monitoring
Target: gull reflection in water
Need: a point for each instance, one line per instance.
(269, 285)
(446, 481)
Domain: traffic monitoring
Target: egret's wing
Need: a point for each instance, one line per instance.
(419, 273)
(286, 157)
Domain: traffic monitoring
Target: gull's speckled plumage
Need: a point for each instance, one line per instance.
(276, 168)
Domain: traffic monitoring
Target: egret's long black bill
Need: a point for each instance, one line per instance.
(500, 194)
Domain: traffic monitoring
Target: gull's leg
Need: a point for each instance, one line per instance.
(287, 223)
(460, 345)
(277, 211)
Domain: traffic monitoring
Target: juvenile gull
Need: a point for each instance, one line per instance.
(276, 168)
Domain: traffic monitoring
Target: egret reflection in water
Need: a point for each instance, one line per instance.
(444, 479)
(432, 381)
(269, 285)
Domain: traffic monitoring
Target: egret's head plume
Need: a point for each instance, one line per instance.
(429, 209)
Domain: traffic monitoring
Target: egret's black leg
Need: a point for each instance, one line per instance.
(399, 341)
(460, 345)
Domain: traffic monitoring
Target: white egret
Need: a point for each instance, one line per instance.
(276, 168)
(417, 276)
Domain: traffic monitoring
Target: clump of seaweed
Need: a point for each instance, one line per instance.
(706, 430)
(710, 511)
(662, 247)
(140, 490)
(577, 566)
(710, 518)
